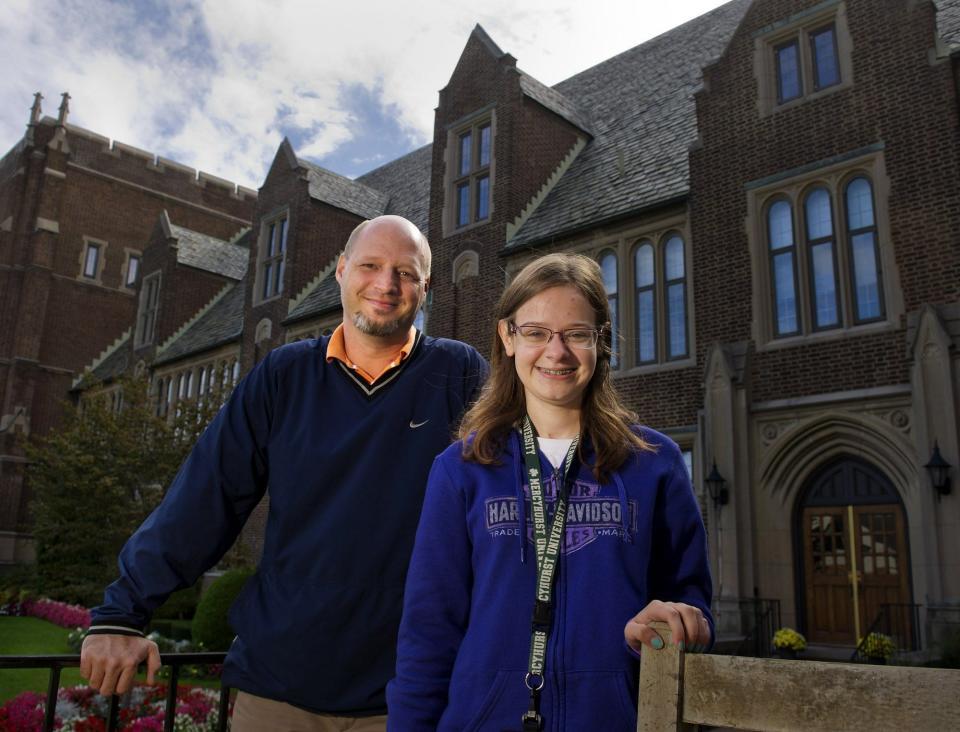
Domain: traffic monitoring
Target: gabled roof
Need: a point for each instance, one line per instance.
(209, 253)
(948, 21)
(220, 324)
(341, 192)
(324, 298)
(539, 92)
(116, 363)
(555, 102)
(643, 120)
(406, 183)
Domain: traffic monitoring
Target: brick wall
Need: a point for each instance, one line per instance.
(528, 144)
(53, 323)
(898, 99)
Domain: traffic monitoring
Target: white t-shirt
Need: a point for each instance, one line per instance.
(555, 449)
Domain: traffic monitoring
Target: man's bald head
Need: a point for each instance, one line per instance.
(395, 224)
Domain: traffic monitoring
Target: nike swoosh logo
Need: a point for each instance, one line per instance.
(414, 425)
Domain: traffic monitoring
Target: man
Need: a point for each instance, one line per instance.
(343, 430)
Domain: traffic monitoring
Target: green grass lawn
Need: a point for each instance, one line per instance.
(28, 637)
(32, 636)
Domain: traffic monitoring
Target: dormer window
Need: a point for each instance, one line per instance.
(471, 155)
(272, 257)
(803, 57)
(147, 312)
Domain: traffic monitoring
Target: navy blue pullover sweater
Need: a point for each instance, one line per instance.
(346, 464)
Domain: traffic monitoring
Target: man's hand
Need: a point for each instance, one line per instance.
(109, 662)
(687, 625)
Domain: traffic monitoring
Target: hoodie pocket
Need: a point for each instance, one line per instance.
(599, 700)
(464, 714)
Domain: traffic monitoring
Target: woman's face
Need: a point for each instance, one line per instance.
(555, 374)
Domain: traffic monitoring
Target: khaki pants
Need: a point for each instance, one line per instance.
(256, 714)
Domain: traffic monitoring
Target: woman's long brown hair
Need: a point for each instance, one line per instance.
(604, 420)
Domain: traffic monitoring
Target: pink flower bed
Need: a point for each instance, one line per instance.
(58, 613)
(81, 709)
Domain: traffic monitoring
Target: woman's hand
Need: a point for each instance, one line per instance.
(689, 627)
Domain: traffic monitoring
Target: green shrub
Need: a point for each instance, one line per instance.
(211, 629)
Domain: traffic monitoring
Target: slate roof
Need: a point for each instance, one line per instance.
(324, 298)
(222, 323)
(406, 182)
(211, 254)
(948, 21)
(549, 98)
(643, 120)
(116, 364)
(555, 102)
(341, 192)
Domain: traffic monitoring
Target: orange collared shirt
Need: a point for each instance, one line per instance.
(336, 349)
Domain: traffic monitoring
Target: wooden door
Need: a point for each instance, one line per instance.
(879, 548)
(880, 560)
(827, 574)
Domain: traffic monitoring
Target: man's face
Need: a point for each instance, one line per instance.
(383, 281)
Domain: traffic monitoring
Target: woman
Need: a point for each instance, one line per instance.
(544, 531)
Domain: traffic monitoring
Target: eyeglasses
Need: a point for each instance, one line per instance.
(537, 335)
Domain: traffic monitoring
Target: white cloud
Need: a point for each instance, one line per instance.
(216, 84)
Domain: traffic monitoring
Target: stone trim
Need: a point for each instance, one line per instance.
(853, 395)
(47, 225)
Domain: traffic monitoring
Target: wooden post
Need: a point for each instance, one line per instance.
(660, 707)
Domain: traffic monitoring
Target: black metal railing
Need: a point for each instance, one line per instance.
(761, 617)
(174, 660)
(900, 621)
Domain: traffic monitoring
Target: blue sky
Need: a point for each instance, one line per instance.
(217, 84)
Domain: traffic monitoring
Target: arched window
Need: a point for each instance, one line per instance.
(864, 257)
(608, 266)
(822, 255)
(675, 283)
(825, 268)
(783, 267)
(646, 302)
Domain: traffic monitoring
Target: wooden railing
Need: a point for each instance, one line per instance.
(678, 690)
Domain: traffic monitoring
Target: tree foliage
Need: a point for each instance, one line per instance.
(96, 478)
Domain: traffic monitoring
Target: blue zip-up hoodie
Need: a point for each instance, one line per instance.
(465, 635)
(346, 465)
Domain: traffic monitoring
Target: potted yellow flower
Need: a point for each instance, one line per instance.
(788, 643)
(877, 647)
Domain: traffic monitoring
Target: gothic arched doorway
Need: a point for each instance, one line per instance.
(850, 515)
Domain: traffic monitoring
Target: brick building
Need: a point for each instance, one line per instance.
(772, 193)
(76, 212)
